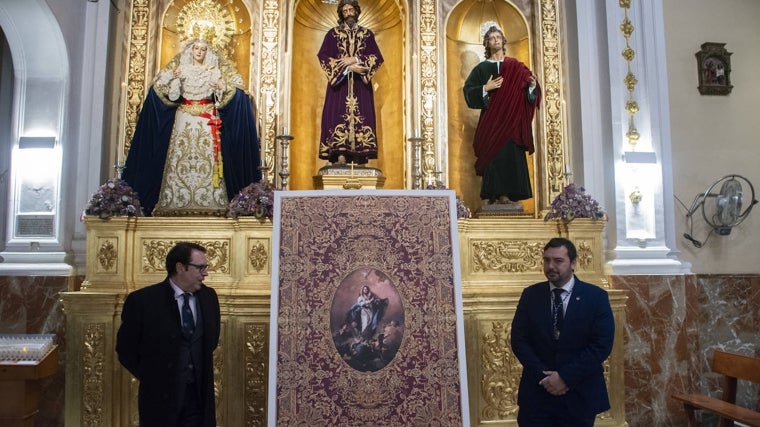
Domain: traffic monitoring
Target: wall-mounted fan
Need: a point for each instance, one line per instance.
(722, 206)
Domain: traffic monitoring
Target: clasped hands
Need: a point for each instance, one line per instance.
(553, 383)
(353, 65)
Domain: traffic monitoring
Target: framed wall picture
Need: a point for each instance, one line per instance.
(714, 69)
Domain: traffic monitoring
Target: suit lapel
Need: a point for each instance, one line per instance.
(173, 307)
(576, 301)
(546, 310)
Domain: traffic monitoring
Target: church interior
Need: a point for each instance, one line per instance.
(631, 112)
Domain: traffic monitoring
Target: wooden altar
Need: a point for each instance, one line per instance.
(499, 257)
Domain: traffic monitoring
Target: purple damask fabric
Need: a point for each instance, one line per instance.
(368, 308)
(348, 116)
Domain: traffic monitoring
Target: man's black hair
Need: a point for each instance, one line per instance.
(181, 252)
(558, 242)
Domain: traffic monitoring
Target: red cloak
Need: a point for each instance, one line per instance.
(509, 116)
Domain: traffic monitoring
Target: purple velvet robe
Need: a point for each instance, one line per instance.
(348, 116)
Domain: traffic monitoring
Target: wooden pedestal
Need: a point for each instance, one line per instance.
(20, 389)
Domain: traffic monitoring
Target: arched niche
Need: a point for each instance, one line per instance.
(231, 18)
(37, 80)
(153, 31)
(464, 50)
(312, 20)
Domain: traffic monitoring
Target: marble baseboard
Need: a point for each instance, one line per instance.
(674, 324)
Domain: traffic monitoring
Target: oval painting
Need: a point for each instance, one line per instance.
(367, 320)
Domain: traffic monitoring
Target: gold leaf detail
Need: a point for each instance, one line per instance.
(107, 255)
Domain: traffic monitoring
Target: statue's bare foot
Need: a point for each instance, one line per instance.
(341, 160)
(504, 200)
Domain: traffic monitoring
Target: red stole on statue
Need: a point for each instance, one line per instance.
(509, 115)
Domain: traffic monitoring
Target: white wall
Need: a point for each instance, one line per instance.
(713, 135)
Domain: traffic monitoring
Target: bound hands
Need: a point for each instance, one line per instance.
(553, 383)
(353, 65)
(532, 82)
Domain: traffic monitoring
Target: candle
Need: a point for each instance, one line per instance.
(285, 130)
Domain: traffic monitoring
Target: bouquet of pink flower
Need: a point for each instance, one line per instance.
(257, 199)
(114, 198)
(573, 202)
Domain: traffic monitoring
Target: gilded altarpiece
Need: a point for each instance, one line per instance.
(274, 44)
(499, 256)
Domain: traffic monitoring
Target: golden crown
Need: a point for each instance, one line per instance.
(203, 30)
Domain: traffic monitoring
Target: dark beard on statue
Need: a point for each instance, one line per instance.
(350, 21)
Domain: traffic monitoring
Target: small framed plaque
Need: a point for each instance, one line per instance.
(714, 69)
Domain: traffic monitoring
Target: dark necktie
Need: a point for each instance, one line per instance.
(557, 311)
(188, 322)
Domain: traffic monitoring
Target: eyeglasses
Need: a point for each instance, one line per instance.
(200, 267)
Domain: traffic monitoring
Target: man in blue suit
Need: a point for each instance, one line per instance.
(562, 332)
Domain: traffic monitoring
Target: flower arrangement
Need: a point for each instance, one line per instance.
(257, 199)
(462, 210)
(114, 198)
(573, 202)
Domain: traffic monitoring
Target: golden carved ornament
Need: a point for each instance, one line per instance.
(632, 107)
(136, 70)
(107, 255)
(630, 81)
(627, 29)
(606, 368)
(256, 369)
(93, 367)
(636, 196)
(501, 374)
(154, 255)
(507, 256)
(553, 106)
(629, 54)
(269, 72)
(585, 254)
(220, 367)
(258, 256)
(428, 54)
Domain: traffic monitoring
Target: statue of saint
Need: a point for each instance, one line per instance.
(506, 92)
(349, 57)
(195, 144)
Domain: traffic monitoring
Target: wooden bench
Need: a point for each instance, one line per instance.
(732, 367)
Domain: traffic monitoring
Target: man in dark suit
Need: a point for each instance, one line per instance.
(562, 337)
(167, 339)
